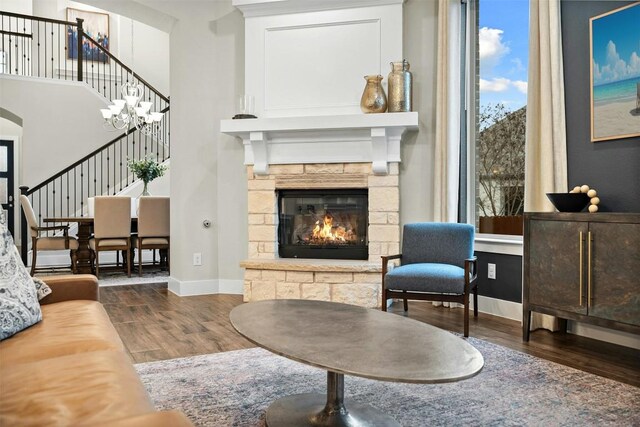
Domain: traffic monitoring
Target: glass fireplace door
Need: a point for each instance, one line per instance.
(323, 224)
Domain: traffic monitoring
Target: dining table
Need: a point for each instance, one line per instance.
(85, 228)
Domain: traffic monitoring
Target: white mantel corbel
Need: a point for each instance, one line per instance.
(358, 138)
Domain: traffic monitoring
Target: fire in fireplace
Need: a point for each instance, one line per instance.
(323, 224)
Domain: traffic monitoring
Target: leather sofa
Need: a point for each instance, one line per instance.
(72, 368)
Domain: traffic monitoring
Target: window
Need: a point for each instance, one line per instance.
(499, 38)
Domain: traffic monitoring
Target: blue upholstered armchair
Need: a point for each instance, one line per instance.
(437, 264)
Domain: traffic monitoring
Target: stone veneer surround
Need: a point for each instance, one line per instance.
(354, 282)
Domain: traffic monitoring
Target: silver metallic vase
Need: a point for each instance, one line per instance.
(399, 81)
(373, 98)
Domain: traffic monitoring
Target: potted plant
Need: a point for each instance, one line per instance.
(146, 170)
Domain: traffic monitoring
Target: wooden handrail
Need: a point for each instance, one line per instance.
(37, 18)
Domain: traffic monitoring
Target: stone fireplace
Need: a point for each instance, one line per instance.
(304, 63)
(352, 281)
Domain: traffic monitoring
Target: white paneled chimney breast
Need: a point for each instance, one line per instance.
(305, 62)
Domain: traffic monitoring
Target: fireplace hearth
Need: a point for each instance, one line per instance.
(323, 224)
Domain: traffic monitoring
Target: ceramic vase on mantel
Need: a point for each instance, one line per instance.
(373, 98)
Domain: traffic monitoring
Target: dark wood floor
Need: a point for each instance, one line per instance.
(154, 324)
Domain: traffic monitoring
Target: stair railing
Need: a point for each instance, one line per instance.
(56, 49)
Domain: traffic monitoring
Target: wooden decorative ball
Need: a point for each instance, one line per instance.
(592, 193)
(595, 200)
(584, 188)
(593, 208)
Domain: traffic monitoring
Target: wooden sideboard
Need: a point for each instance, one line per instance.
(583, 267)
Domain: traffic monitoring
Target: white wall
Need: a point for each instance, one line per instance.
(61, 123)
(17, 6)
(148, 56)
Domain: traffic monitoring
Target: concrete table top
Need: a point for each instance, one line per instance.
(352, 340)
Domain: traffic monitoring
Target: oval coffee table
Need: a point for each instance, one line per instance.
(352, 340)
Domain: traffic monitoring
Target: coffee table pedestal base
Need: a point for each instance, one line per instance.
(312, 409)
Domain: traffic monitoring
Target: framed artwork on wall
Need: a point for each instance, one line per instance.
(615, 73)
(96, 26)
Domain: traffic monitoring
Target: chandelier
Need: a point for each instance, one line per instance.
(132, 111)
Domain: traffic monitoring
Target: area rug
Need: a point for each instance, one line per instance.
(513, 389)
(119, 278)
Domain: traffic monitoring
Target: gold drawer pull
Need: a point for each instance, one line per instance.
(589, 238)
(580, 264)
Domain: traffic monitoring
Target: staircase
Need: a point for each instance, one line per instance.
(55, 49)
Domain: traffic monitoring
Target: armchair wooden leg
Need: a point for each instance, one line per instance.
(405, 302)
(74, 262)
(140, 256)
(129, 258)
(34, 251)
(466, 315)
(384, 300)
(475, 301)
(97, 258)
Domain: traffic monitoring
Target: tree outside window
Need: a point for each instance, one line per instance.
(502, 53)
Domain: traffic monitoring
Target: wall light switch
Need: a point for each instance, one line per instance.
(491, 274)
(197, 258)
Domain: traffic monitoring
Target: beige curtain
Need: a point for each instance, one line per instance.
(546, 146)
(447, 138)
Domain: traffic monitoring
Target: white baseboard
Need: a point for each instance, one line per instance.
(501, 308)
(205, 287)
(231, 286)
(513, 310)
(187, 288)
(603, 334)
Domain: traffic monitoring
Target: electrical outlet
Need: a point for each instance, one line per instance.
(197, 258)
(491, 271)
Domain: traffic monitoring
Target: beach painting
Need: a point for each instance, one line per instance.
(615, 74)
(96, 26)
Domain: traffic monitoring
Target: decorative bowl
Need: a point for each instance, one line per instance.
(569, 202)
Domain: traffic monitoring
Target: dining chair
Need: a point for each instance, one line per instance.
(153, 227)
(47, 243)
(111, 228)
(436, 264)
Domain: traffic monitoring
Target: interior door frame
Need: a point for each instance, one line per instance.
(15, 140)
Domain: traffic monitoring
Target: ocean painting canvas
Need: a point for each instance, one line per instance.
(615, 74)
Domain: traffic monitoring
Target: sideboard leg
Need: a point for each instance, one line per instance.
(526, 324)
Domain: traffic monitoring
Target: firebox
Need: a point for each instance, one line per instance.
(323, 224)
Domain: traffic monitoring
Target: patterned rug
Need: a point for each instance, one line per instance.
(514, 389)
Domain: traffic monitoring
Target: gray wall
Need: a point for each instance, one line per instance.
(611, 167)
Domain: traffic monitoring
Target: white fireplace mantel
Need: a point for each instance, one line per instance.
(353, 138)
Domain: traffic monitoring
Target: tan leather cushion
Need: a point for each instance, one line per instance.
(87, 388)
(152, 241)
(108, 242)
(153, 216)
(56, 243)
(112, 217)
(66, 328)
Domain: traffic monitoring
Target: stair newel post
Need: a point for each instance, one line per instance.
(24, 239)
(80, 48)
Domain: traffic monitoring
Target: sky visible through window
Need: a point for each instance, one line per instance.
(504, 52)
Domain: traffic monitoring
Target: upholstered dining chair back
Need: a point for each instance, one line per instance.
(441, 243)
(32, 222)
(153, 216)
(112, 217)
